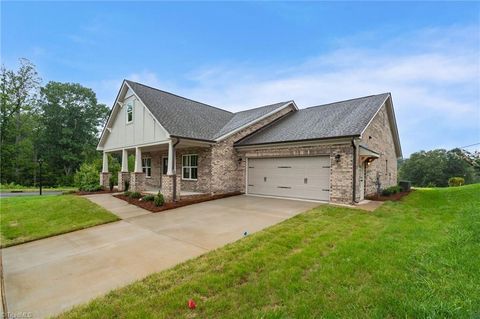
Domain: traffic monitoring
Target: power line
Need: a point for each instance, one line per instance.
(469, 145)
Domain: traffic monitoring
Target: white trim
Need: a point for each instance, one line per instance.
(150, 158)
(128, 147)
(374, 115)
(246, 175)
(130, 103)
(392, 123)
(190, 179)
(257, 120)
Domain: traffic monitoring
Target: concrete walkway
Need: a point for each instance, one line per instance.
(51, 275)
(117, 206)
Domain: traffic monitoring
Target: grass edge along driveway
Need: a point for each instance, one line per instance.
(413, 258)
(29, 218)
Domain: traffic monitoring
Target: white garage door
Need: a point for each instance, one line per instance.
(295, 177)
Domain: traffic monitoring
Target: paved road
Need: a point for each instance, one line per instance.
(51, 275)
(45, 193)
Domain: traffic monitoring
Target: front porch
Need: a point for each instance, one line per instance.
(174, 167)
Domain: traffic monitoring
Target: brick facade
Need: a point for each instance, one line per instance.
(137, 182)
(122, 178)
(228, 167)
(105, 180)
(379, 138)
(167, 187)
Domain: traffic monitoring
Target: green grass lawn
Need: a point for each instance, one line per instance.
(418, 258)
(28, 218)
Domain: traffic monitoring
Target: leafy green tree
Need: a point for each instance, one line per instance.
(70, 117)
(434, 168)
(18, 123)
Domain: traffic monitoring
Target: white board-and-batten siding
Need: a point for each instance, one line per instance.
(143, 129)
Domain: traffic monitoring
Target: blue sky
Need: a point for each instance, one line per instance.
(237, 55)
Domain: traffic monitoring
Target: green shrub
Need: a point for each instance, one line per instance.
(456, 181)
(126, 193)
(127, 185)
(87, 178)
(148, 198)
(135, 195)
(391, 190)
(159, 200)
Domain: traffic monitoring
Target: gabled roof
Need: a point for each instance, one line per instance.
(240, 119)
(339, 119)
(182, 117)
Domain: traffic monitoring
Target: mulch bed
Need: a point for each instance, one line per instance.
(184, 201)
(394, 197)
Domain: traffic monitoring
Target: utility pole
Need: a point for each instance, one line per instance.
(40, 162)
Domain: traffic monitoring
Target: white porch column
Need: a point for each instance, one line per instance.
(138, 160)
(124, 160)
(171, 158)
(105, 162)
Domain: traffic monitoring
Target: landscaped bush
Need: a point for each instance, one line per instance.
(126, 193)
(391, 190)
(456, 181)
(135, 195)
(127, 185)
(148, 198)
(159, 200)
(86, 178)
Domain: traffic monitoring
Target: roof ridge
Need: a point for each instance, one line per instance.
(182, 97)
(342, 101)
(259, 107)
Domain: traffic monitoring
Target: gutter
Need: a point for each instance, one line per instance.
(174, 182)
(354, 182)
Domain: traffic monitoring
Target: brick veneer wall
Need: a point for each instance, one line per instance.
(378, 137)
(341, 173)
(137, 182)
(105, 180)
(227, 172)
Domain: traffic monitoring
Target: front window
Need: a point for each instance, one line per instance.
(189, 166)
(129, 112)
(165, 165)
(147, 166)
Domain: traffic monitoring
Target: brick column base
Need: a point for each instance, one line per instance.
(167, 187)
(137, 182)
(105, 180)
(122, 178)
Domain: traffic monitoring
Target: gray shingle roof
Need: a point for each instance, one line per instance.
(345, 118)
(241, 118)
(191, 119)
(181, 116)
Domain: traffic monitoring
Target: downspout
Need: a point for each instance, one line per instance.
(354, 182)
(174, 182)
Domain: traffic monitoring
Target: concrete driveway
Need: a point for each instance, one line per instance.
(49, 276)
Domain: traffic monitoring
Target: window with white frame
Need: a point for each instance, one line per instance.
(147, 166)
(189, 166)
(129, 111)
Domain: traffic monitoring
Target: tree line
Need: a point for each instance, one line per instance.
(58, 123)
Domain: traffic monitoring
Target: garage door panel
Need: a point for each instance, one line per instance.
(297, 177)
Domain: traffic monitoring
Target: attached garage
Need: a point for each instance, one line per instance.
(293, 177)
